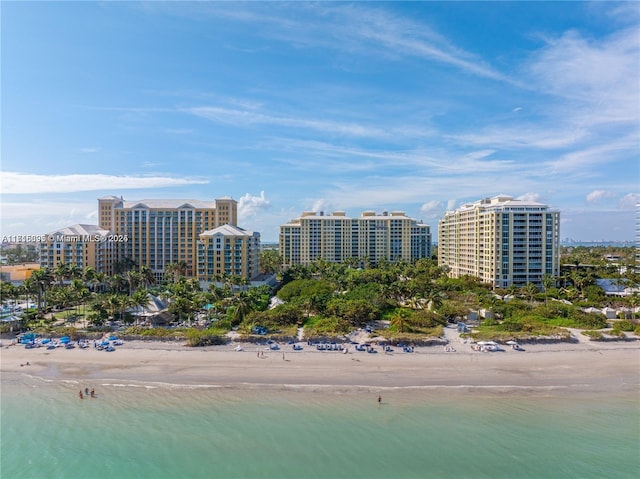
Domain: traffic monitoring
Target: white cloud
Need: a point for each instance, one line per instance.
(629, 201)
(535, 197)
(250, 205)
(321, 205)
(597, 195)
(25, 183)
(89, 150)
(431, 208)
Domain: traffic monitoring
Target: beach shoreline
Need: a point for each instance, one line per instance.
(582, 366)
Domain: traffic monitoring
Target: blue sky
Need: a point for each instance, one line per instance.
(290, 107)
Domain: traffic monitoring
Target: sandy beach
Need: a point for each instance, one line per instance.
(584, 366)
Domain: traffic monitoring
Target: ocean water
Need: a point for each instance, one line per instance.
(165, 431)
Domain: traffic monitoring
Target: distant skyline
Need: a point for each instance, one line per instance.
(292, 107)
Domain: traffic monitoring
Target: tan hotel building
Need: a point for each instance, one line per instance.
(228, 250)
(159, 232)
(501, 240)
(336, 237)
(81, 245)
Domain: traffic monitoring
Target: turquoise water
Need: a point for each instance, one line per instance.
(178, 432)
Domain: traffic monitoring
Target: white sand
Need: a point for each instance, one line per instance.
(585, 365)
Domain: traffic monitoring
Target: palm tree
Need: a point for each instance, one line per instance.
(177, 269)
(434, 299)
(89, 275)
(133, 279)
(43, 278)
(529, 290)
(8, 291)
(242, 302)
(147, 275)
(74, 271)
(581, 280)
(140, 299)
(30, 286)
(548, 281)
(399, 321)
(270, 261)
(61, 272)
(79, 292)
(634, 302)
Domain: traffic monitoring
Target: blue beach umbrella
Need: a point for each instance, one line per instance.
(65, 339)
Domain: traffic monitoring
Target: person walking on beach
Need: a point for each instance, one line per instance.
(379, 399)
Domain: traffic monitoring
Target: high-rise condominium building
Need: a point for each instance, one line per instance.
(80, 245)
(228, 250)
(337, 237)
(501, 241)
(160, 232)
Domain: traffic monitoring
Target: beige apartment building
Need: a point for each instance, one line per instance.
(228, 250)
(501, 240)
(81, 245)
(159, 232)
(336, 237)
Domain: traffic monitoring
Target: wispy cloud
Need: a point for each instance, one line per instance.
(246, 118)
(401, 36)
(356, 29)
(25, 183)
(581, 161)
(39, 217)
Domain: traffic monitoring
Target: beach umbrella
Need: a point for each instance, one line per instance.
(113, 338)
(511, 343)
(105, 343)
(65, 339)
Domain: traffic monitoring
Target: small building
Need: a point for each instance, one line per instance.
(17, 273)
(486, 314)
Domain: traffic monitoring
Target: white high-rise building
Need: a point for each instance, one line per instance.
(501, 240)
(336, 237)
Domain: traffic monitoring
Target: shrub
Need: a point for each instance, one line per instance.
(327, 327)
(593, 335)
(624, 325)
(206, 337)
